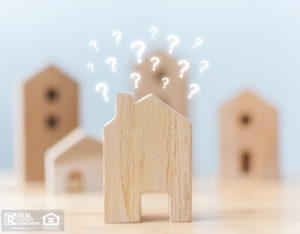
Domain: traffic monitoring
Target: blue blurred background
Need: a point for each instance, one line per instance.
(248, 44)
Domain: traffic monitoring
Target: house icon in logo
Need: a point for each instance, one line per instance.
(51, 219)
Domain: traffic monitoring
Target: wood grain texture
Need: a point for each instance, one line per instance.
(174, 95)
(249, 139)
(147, 148)
(49, 110)
(74, 163)
(264, 207)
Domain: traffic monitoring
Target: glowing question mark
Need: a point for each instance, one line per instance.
(199, 43)
(194, 91)
(187, 65)
(91, 65)
(140, 51)
(155, 31)
(104, 91)
(119, 35)
(205, 66)
(155, 64)
(113, 63)
(167, 81)
(174, 43)
(137, 80)
(94, 43)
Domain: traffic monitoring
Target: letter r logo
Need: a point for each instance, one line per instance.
(10, 219)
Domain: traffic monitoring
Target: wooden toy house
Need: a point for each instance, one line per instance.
(47, 111)
(174, 94)
(249, 138)
(147, 148)
(75, 163)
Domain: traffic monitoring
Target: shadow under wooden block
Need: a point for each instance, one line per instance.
(48, 110)
(74, 164)
(147, 149)
(174, 94)
(249, 138)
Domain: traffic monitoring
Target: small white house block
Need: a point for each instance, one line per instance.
(75, 163)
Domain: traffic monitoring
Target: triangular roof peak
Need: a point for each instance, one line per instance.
(67, 143)
(149, 97)
(248, 95)
(51, 70)
(161, 53)
(165, 58)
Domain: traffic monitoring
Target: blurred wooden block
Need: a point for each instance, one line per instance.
(147, 148)
(75, 163)
(47, 111)
(174, 94)
(249, 138)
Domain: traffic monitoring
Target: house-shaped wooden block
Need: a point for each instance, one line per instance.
(174, 94)
(47, 111)
(249, 138)
(147, 148)
(75, 163)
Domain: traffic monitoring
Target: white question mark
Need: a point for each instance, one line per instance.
(104, 91)
(119, 35)
(155, 31)
(140, 51)
(137, 80)
(155, 64)
(199, 43)
(205, 66)
(194, 91)
(167, 81)
(187, 65)
(91, 65)
(94, 43)
(174, 43)
(113, 63)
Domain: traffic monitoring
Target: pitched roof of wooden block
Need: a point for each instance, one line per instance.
(248, 95)
(175, 92)
(48, 73)
(67, 143)
(75, 144)
(149, 98)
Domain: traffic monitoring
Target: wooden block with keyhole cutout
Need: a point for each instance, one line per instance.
(174, 94)
(48, 110)
(249, 138)
(147, 149)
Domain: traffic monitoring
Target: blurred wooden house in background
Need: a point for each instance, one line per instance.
(249, 138)
(47, 110)
(174, 94)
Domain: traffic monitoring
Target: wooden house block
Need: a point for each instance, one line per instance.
(174, 95)
(249, 138)
(48, 110)
(75, 163)
(147, 149)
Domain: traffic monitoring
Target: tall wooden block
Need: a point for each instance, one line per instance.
(48, 110)
(74, 163)
(249, 138)
(174, 94)
(147, 148)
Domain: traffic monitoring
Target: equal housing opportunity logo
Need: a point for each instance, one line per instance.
(32, 220)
